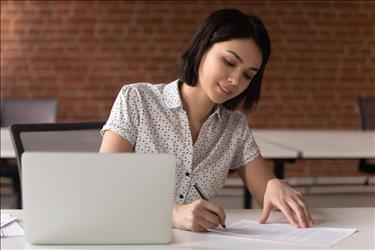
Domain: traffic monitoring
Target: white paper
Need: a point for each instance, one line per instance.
(6, 219)
(9, 226)
(312, 236)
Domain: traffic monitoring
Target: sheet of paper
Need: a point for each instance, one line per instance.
(10, 227)
(11, 230)
(6, 219)
(313, 236)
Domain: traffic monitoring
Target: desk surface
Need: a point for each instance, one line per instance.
(288, 144)
(323, 144)
(7, 150)
(269, 150)
(361, 218)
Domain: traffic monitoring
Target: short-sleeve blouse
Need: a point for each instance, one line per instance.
(151, 117)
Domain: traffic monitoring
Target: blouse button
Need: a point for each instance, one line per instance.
(187, 174)
(181, 196)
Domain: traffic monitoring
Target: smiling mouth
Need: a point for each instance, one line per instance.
(225, 90)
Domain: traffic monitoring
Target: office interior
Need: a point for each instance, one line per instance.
(78, 54)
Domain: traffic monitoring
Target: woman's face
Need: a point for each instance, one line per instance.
(227, 68)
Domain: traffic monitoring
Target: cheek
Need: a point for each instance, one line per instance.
(212, 69)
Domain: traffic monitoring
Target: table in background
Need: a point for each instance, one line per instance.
(321, 144)
(327, 144)
(7, 150)
(362, 219)
(283, 146)
(286, 144)
(269, 149)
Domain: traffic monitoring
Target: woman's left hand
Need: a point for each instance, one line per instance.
(289, 201)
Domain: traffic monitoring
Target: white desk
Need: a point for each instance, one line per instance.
(323, 144)
(361, 218)
(320, 144)
(7, 150)
(288, 144)
(269, 150)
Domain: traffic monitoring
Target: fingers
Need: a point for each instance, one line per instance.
(286, 210)
(289, 201)
(201, 224)
(299, 211)
(295, 208)
(206, 224)
(306, 211)
(211, 218)
(197, 227)
(266, 212)
(205, 215)
(217, 210)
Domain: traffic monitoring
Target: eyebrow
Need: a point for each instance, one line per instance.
(240, 59)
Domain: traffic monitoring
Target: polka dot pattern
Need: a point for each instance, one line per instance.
(151, 117)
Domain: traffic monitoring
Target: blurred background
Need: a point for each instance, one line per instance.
(82, 52)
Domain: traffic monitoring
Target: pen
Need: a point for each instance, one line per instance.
(201, 194)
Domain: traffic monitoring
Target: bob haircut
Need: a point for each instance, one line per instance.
(220, 26)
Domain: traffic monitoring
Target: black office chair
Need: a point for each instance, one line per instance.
(55, 137)
(23, 111)
(367, 121)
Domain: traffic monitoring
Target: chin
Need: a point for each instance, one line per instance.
(218, 100)
(217, 97)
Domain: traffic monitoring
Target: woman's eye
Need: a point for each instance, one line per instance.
(247, 77)
(233, 65)
(229, 63)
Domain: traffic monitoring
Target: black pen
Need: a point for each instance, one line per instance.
(201, 194)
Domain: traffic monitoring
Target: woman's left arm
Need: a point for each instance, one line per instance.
(271, 192)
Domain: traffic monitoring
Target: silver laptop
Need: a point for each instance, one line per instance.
(93, 198)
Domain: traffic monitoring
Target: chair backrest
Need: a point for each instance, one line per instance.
(19, 111)
(366, 107)
(55, 137)
(367, 112)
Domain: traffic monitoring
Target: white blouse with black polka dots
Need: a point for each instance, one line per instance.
(151, 117)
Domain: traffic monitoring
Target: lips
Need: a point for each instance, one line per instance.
(225, 89)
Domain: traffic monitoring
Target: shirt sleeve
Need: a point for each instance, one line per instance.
(247, 149)
(124, 117)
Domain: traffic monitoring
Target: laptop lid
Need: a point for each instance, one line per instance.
(93, 198)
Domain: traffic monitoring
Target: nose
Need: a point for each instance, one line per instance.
(234, 79)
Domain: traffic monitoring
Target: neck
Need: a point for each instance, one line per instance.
(195, 102)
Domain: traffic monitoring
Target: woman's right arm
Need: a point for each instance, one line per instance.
(114, 143)
(196, 216)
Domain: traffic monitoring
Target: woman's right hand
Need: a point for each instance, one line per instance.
(198, 216)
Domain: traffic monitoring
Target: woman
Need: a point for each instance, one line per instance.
(194, 118)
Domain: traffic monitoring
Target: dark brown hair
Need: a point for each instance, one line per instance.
(220, 26)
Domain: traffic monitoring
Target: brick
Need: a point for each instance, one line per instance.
(81, 21)
(349, 5)
(28, 21)
(317, 5)
(322, 57)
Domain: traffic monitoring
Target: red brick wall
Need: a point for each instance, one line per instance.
(323, 54)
